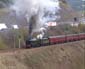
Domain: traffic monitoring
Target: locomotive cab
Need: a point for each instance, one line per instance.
(28, 45)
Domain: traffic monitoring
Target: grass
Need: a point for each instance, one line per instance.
(2, 44)
(63, 56)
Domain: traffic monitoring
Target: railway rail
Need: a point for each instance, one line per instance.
(52, 40)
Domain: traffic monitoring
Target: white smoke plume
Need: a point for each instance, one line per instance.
(45, 10)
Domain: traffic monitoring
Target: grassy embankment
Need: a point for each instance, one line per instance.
(63, 56)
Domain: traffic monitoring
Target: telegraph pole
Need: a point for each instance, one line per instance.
(19, 43)
(14, 42)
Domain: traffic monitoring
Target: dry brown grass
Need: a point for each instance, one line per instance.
(63, 56)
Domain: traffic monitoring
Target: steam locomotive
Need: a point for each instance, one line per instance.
(32, 43)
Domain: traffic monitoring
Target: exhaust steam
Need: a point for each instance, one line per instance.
(37, 13)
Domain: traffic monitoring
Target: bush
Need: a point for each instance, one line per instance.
(2, 44)
(82, 27)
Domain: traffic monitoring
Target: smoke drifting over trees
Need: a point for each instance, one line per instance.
(44, 12)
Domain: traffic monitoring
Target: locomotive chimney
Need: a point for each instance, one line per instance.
(32, 24)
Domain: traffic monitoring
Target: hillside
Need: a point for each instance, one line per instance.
(76, 4)
(9, 18)
(67, 13)
(63, 56)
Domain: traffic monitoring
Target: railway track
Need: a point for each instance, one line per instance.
(10, 50)
(13, 51)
